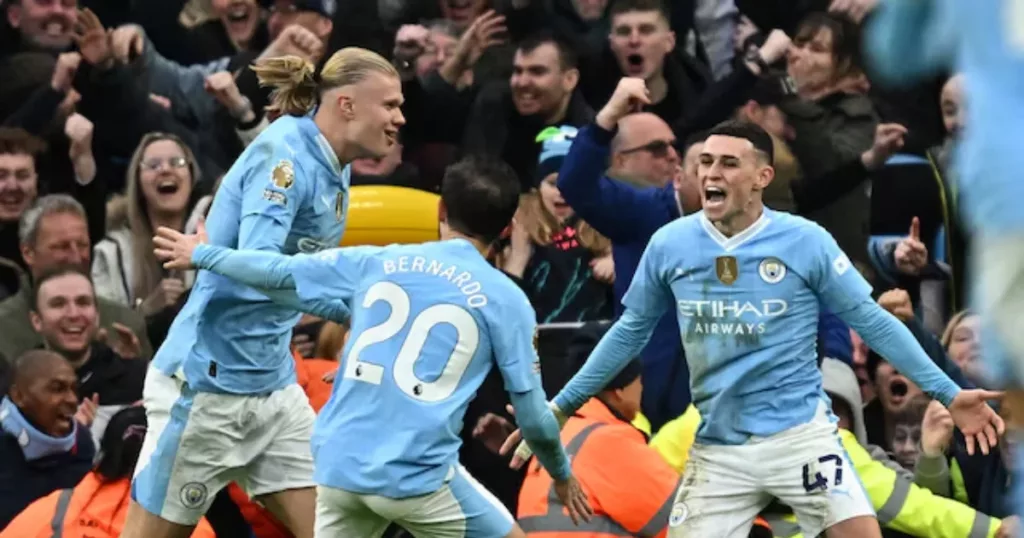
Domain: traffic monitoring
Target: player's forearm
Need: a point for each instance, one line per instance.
(628, 335)
(541, 431)
(259, 269)
(891, 339)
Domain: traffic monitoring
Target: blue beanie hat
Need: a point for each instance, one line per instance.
(555, 143)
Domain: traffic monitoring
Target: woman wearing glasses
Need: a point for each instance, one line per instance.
(159, 192)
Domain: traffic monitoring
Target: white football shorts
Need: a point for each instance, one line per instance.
(725, 487)
(197, 443)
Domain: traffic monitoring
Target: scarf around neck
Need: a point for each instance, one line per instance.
(34, 444)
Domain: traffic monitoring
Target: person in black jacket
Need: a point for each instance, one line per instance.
(63, 311)
(43, 447)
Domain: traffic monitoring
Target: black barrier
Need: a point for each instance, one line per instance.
(556, 367)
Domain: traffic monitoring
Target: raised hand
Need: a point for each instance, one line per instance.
(630, 96)
(888, 140)
(911, 254)
(897, 302)
(93, 40)
(124, 343)
(936, 429)
(64, 71)
(86, 413)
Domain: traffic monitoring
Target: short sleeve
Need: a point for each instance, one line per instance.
(514, 338)
(273, 190)
(834, 279)
(649, 294)
(332, 273)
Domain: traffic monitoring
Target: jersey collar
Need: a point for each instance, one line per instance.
(321, 142)
(731, 243)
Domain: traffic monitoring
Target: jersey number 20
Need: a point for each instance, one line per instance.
(468, 338)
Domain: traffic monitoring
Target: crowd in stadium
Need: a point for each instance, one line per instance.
(120, 117)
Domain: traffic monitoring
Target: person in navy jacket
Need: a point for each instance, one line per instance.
(43, 446)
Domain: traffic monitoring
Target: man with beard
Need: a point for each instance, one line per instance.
(541, 92)
(64, 313)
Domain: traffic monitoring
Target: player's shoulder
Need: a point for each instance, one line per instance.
(794, 226)
(678, 228)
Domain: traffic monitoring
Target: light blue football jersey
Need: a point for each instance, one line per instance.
(747, 307)
(428, 323)
(286, 193)
(985, 41)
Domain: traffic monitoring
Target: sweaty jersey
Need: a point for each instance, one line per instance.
(428, 323)
(748, 307)
(985, 41)
(286, 193)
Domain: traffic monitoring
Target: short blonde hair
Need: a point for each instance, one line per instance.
(295, 85)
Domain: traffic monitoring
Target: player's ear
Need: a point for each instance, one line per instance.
(765, 175)
(346, 106)
(442, 211)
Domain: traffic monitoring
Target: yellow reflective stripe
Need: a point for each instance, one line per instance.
(894, 504)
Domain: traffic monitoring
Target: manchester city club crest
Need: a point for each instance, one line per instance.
(772, 270)
(726, 269)
(678, 514)
(193, 495)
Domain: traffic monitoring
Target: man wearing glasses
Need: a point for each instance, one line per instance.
(645, 187)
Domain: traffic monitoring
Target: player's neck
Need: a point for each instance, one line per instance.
(448, 234)
(345, 152)
(737, 223)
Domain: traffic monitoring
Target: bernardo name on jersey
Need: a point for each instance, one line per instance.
(475, 295)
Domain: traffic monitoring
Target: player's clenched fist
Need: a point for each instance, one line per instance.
(630, 96)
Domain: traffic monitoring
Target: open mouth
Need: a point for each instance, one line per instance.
(391, 137)
(167, 187)
(73, 332)
(635, 64)
(11, 200)
(526, 97)
(714, 196)
(238, 13)
(55, 28)
(898, 389)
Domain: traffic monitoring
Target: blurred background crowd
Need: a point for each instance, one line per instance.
(120, 116)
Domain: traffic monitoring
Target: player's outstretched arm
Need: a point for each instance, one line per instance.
(271, 273)
(621, 344)
(888, 336)
(844, 291)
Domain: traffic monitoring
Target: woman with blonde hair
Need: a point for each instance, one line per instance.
(161, 180)
(563, 264)
(287, 193)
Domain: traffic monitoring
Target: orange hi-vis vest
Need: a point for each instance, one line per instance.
(629, 485)
(92, 509)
